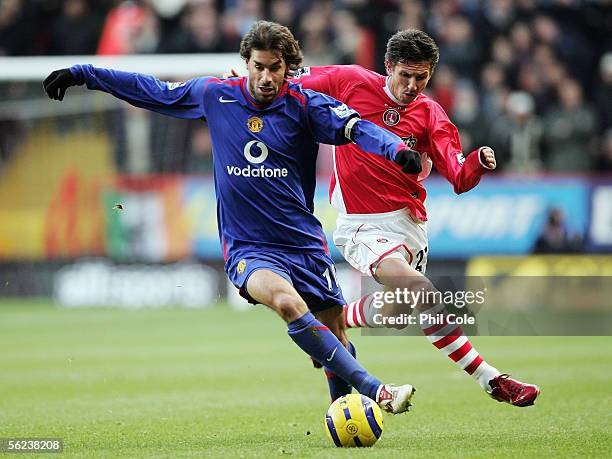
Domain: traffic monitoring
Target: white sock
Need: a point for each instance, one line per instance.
(485, 373)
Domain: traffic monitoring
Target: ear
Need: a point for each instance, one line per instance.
(431, 71)
(388, 67)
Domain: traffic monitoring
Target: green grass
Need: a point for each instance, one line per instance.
(219, 383)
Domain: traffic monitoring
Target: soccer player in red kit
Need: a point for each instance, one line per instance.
(381, 228)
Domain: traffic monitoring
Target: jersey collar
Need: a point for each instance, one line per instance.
(390, 94)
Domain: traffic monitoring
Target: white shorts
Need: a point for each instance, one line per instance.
(365, 239)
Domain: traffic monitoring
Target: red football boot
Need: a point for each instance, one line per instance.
(506, 389)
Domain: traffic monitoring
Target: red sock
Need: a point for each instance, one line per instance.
(359, 313)
(452, 341)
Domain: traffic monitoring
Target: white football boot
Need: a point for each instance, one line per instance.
(395, 399)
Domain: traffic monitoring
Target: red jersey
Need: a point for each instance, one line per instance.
(368, 184)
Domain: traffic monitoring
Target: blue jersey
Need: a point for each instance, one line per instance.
(264, 156)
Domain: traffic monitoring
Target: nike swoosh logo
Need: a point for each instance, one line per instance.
(333, 353)
(226, 101)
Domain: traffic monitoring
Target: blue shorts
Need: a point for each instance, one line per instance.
(313, 275)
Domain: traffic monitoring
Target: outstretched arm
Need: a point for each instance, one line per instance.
(371, 138)
(335, 123)
(182, 100)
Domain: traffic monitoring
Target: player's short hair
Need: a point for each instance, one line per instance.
(270, 36)
(412, 45)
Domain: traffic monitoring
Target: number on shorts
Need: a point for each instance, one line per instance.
(419, 257)
(330, 276)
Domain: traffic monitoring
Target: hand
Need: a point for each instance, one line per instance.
(487, 158)
(410, 161)
(231, 74)
(57, 82)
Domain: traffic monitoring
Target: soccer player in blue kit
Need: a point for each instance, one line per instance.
(265, 133)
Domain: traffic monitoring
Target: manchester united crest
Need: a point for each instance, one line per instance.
(255, 124)
(241, 266)
(391, 117)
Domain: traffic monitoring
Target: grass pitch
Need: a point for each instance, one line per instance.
(219, 383)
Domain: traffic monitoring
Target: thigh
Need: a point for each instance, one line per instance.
(271, 289)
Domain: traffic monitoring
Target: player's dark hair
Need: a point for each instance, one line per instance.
(270, 36)
(412, 45)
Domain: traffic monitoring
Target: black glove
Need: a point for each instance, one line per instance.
(57, 82)
(410, 161)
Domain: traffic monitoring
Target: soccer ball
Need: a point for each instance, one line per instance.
(354, 420)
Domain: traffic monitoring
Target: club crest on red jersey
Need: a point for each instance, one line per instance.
(391, 117)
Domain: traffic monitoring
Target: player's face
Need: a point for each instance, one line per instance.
(408, 79)
(266, 75)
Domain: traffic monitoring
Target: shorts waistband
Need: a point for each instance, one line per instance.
(378, 217)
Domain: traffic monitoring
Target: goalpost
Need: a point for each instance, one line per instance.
(13, 69)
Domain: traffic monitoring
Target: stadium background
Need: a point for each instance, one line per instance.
(530, 78)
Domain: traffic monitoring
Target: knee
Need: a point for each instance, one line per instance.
(422, 291)
(289, 307)
(430, 295)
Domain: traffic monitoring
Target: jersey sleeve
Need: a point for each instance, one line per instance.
(328, 117)
(462, 172)
(333, 80)
(181, 100)
(315, 78)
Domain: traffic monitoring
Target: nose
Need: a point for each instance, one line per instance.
(412, 84)
(266, 76)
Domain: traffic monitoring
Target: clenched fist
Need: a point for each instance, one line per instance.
(57, 82)
(487, 158)
(410, 161)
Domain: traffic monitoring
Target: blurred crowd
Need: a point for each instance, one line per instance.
(531, 78)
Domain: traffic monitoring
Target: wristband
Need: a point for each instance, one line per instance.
(348, 128)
